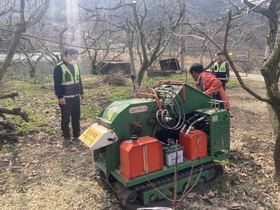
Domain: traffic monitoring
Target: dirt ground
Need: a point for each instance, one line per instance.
(41, 174)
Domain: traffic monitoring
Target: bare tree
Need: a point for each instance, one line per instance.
(270, 69)
(21, 25)
(212, 26)
(105, 41)
(146, 28)
(5, 8)
(31, 56)
(149, 50)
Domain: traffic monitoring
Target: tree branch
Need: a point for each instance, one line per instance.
(233, 66)
(256, 8)
(16, 111)
(41, 14)
(11, 95)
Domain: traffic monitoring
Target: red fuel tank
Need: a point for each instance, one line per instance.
(140, 156)
(194, 144)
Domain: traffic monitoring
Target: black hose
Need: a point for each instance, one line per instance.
(166, 91)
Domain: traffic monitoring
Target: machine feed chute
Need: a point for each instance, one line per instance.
(97, 136)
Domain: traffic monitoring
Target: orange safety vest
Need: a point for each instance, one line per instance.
(210, 85)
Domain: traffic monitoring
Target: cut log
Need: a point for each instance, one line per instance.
(5, 126)
(11, 95)
(16, 111)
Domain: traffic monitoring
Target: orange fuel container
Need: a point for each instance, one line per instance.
(194, 144)
(140, 156)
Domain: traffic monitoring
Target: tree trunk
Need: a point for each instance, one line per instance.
(129, 39)
(21, 28)
(11, 52)
(277, 156)
(273, 25)
(141, 73)
(32, 72)
(94, 64)
(270, 73)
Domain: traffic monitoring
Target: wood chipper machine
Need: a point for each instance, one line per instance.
(140, 143)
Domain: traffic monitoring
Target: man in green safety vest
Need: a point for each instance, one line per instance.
(69, 89)
(221, 69)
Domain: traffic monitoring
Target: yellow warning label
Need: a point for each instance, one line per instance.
(111, 113)
(90, 136)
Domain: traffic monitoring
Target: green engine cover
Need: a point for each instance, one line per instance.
(120, 114)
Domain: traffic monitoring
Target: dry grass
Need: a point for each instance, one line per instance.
(73, 194)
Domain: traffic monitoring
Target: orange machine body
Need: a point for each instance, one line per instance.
(194, 144)
(140, 157)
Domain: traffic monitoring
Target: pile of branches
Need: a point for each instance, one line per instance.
(116, 78)
(8, 129)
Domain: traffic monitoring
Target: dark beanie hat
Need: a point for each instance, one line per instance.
(220, 53)
(196, 67)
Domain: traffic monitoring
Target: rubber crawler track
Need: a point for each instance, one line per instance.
(125, 193)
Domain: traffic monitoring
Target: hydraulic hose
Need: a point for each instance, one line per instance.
(163, 112)
(194, 122)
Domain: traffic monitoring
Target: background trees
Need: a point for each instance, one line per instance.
(19, 20)
(144, 28)
(232, 27)
(108, 31)
(270, 70)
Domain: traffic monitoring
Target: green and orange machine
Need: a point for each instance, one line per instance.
(139, 143)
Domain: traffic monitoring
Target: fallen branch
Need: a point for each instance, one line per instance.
(11, 95)
(16, 111)
(5, 135)
(7, 125)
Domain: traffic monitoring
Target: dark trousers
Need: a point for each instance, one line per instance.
(224, 83)
(217, 96)
(71, 110)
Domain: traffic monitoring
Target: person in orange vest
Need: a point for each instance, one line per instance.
(209, 84)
